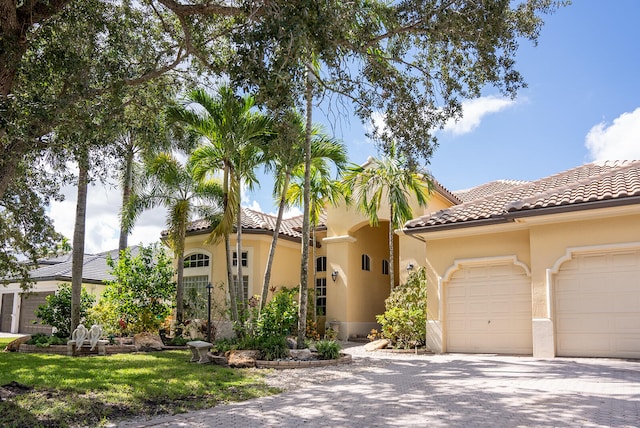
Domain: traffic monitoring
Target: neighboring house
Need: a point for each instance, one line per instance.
(17, 310)
(544, 268)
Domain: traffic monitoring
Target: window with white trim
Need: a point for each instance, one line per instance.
(195, 296)
(321, 296)
(196, 260)
(321, 264)
(245, 258)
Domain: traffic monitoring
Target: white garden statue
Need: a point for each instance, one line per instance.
(79, 335)
(94, 335)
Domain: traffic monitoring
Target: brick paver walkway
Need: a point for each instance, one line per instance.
(446, 391)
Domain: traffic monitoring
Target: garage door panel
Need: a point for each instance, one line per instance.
(29, 304)
(597, 305)
(488, 310)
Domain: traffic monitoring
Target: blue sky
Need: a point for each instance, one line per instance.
(582, 104)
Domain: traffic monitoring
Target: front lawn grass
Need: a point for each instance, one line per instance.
(91, 391)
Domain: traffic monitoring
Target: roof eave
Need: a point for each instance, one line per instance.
(456, 225)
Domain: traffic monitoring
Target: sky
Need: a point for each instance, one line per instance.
(582, 104)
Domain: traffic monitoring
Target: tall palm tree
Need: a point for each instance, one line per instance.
(174, 186)
(386, 181)
(285, 157)
(232, 132)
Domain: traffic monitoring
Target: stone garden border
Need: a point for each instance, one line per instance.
(299, 364)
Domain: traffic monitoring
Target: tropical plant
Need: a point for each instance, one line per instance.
(386, 181)
(141, 294)
(56, 312)
(328, 349)
(174, 186)
(280, 315)
(404, 321)
(285, 157)
(232, 131)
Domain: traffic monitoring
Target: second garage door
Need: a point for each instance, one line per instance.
(29, 323)
(597, 305)
(488, 310)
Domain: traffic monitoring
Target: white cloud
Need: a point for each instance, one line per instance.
(102, 222)
(618, 140)
(473, 111)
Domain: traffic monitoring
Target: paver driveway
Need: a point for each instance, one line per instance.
(446, 391)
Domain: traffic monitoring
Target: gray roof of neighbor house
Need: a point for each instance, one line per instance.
(593, 185)
(255, 222)
(94, 270)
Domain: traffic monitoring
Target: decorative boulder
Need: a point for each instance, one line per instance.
(301, 354)
(243, 358)
(14, 346)
(377, 344)
(147, 342)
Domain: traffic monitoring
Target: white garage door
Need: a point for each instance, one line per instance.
(597, 305)
(488, 310)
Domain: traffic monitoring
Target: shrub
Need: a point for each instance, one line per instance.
(405, 320)
(280, 316)
(328, 349)
(140, 297)
(57, 311)
(42, 340)
(272, 348)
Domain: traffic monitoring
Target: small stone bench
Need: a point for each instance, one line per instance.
(199, 351)
(101, 345)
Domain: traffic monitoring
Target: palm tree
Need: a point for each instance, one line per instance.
(232, 133)
(387, 178)
(171, 185)
(286, 159)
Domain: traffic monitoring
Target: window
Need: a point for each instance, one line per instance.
(385, 267)
(366, 262)
(321, 264)
(196, 260)
(321, 296)
(245, 285)
(245, 258)
(195, 296)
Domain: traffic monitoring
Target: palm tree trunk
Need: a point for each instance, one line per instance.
(127, 184)
(77, 260)
(274, 241)
(232, 288)
(391, 252)
(304, 264)
(180, 274)
(242, 301)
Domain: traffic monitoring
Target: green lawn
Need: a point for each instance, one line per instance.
(91, 391)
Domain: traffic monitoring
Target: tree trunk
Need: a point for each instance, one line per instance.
(391, 252)
(180, 274)
(232, 288)
(242, 300)
(274, 241)
(304, 264)
(127, 185)
(77, 260)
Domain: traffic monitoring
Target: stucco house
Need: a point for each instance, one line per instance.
(544, 268)
(17, 309)
(548, 267)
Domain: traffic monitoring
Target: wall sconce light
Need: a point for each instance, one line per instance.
(409, 267)
(334, 275)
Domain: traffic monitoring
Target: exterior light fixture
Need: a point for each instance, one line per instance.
(334, 275)
(409, 267)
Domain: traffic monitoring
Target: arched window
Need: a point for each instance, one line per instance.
(366, 262)
(321, 264)
(385, 267)
(196, 260)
